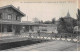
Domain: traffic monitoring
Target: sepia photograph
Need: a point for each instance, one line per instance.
(39, 25)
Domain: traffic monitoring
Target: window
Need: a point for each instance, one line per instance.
(17, 17)
(9, 16)
(0, 15)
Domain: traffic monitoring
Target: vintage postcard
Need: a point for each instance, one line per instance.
(39, 25)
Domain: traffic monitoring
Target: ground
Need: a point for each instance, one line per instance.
(54, 45)
(50, 46)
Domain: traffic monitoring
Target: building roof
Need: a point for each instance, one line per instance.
(17, 23)
(54, 25)
(13, 8)
(28, 23)
(25, 23)
(68, 15)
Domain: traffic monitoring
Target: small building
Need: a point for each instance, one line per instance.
(47, 28)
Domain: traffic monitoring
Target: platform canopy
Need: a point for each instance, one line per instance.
(17, 23)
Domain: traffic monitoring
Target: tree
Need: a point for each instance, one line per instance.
(66, 25)
(53, 21)
(61, 25)
(78, 15)
(47, 22)
(41, 21)
(36, 20)
(74, 22)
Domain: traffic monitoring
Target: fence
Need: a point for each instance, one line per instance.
(49, 36)
(52, 36)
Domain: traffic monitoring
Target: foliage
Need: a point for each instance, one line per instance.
(78, 15)
(66, 25)
(47, 22)
(41, 22)
(50, 22)
(61, 25)
(74, 22)
(53, 21)
(36, 20)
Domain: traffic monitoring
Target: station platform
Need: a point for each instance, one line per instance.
(49, 46)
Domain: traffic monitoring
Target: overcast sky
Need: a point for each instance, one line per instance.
(46, 11)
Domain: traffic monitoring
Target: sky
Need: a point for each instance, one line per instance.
(79, 4)
(44, 10)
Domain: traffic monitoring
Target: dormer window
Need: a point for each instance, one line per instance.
(9, 16)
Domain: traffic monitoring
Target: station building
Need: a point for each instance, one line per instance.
(10, 23)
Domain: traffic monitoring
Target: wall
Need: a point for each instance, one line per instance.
(47, 29)
(11, 11)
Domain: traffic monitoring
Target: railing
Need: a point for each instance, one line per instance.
(49, 36)
(6, 34)
(52, 36)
